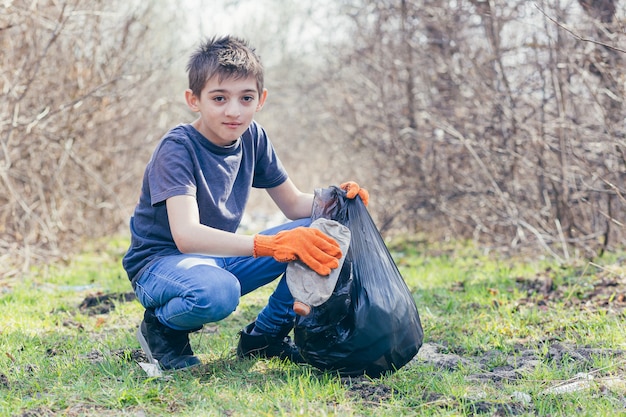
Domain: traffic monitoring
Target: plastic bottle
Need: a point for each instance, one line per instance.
(309, 289)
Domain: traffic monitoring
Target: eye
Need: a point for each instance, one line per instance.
(247, 99)
(219, 99)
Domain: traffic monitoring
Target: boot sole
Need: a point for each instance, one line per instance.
(144, 346)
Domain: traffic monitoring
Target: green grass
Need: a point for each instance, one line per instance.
(56, 359)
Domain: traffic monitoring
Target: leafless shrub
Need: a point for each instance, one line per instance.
(72, 115)
(487, 120)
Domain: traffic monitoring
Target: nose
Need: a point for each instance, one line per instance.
(232, 109)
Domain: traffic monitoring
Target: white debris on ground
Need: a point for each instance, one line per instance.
(153, 369)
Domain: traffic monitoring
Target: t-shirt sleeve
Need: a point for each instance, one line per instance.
(170, 172)
(269, 171)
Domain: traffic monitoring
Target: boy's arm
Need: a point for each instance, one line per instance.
(297, 205)
(191, 236)
(292, 202)
(311, 246)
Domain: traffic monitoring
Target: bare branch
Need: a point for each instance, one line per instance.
(576, 35)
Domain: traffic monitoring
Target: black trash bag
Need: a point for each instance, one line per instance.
(370, 324)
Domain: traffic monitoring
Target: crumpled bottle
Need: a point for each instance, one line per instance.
(308, 288)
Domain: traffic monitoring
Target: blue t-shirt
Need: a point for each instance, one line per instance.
(220, 178)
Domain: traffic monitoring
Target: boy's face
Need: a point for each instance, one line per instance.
(226, 108)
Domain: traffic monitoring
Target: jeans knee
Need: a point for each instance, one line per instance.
(216, 302)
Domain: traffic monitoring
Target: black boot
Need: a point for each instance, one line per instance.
(169, 347)
(267, 346)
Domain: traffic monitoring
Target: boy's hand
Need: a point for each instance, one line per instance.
(352, 190)
(317, 250)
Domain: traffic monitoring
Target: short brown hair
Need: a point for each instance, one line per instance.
(226, 57)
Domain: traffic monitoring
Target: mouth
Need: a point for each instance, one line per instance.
(232, 125)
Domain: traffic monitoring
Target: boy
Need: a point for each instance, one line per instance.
(186, 264)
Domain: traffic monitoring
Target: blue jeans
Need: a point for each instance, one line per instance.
(189, 290)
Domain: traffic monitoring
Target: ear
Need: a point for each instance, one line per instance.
(262, 99)
(192, 100)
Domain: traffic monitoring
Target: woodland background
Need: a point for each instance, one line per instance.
(502, 122)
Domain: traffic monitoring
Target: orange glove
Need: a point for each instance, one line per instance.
(353, 189)
(317, 250)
